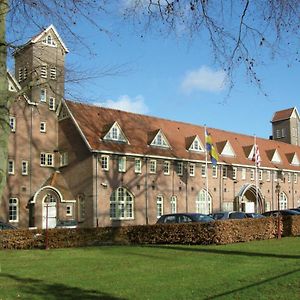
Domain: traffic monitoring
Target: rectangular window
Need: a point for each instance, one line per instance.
(64, 159)
(252, 174)
(268, 175)
(13, 210)
(46, 159)
(203, 170)
(180, 168)
(289, 177)
(105, 162)
(224, 171)
(53, 73)
(11, 167)
(234, 172)
(44, 71)
(52, 103)
(24, 167)
(278, 133)
(152, 166)
(25, 73)
(137, 165)
(20, 74)
(43, 127)
(283, 134)
(275, 175)
(122, 164)
(214, 171)
(192, 169)
(12, 123)
(43, 95)
(260, 175)
(244, 172)
(166, 168)
(295, 178)
(69, 210)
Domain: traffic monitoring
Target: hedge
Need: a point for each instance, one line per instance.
(219, 232)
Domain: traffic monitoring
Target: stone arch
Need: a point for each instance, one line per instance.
(250, 199)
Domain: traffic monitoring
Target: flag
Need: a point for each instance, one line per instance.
(211, 150)
(256, 156)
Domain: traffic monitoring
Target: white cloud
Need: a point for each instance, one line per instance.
(204, 79)
(124, 102)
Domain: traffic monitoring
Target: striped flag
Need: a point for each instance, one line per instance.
(214, 157)
(256, 156)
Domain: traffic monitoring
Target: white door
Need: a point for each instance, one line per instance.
(250, 207)
(49, 214)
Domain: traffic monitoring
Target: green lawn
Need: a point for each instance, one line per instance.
(257, 270)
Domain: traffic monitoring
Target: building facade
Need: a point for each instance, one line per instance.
(103, 167)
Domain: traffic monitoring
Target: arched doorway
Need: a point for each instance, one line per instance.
(250, 199)
(203, 202)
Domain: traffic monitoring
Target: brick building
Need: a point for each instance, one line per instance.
(104, 167)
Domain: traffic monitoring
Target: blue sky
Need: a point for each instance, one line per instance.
(175, 78)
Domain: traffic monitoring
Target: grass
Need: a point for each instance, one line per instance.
(257, 270)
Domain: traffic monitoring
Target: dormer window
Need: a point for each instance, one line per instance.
(116, 134)
(196, 145)
(160, 140)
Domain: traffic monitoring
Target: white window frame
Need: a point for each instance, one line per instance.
(159, 206)
(105, 162)
(295, 177)
(215, 171)
(52, 103)
(224, 171)
(173, 204)
(11, 167)
(275, 176)
(252, 174)
(289, 177)
(152, 166)
(13, 210)
(43, 127)
(43, 95)
(64, 159)
(203, 170)
(122, 164)
(234, 173)
(192, 168)
(121, 204)
(137, 165)
(244, 173)
(69, 210)
(44, 71)
(180, 168)
(166, 167)
(46, 158)
(12, 123)
(268, 175)
(260, 175)
(53, 73)
(24, 167)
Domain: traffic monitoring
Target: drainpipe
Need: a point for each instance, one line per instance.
(146, 192)
(96, 190)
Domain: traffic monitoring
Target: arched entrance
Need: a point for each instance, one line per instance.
(250, 199)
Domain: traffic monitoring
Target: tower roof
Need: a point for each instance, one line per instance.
(285, 114)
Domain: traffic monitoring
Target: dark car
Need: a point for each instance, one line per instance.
(184, 218)
(66, 224)
(285, 212)
(225, 215)
(255, 215)
(296, 209)
(6, 226)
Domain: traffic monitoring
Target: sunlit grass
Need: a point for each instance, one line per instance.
(257, 270)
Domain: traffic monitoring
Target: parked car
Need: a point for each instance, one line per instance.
(224, 215)
(184, 218)
(66, 224)
(296, 209)
(285, 212)
(255, 215)
(6, 226)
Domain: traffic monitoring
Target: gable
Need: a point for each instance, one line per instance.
(226, 149)
(196, 145)
(115, 134)
(295, 160)
(160, 140)
(275, 158)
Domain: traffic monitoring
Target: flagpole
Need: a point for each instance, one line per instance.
(206, 169)
(256, 177)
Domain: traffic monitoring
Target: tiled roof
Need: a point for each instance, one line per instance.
(93, 122)
(282, 115)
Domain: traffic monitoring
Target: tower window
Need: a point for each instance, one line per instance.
(44, 71)
(53, 73)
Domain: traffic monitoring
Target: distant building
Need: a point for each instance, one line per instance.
(105, 167)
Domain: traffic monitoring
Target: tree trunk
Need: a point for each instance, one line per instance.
(4, 99)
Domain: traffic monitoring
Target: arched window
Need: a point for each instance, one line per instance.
(159, 206)
(173, 203)
(121, 204)
(13, 210)
(283, 201)
(203, 202)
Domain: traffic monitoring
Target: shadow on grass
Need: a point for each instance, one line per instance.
(229, 252)
(232, 292)
(34, 288)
